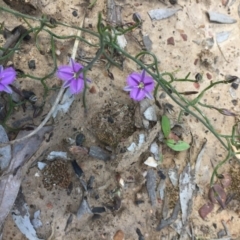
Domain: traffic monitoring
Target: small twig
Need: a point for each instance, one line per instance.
(170, 220)
(225, 228)
(222, 53)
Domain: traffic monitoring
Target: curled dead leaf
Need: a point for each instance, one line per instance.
(227, 180)
(217, 195)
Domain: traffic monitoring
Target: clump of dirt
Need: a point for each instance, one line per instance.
(235, 185)
(173, 195)
(56, 173)
(114, 123)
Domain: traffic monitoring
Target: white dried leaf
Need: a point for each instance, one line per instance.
(161, 188)
(222, 36)
(145, 123)
(10, 183)
(132, 147)
(159, 14)
(151, 162)
(21, 217)
(233, 93)
(186, 188)
(65, 103)
(141, 139)
(220, 18)
(177, 226)
(56, 154)
(121, 41)
(173, 175)
(154, 149)
(41, 165)
(36, 221)
(144, 104)
(150, 114)
(5, 152)
(83, 209)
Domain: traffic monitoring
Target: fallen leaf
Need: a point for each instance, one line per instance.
(205, 209)
(21, 217)
(186, 188)
(11, 181)
(151, 186)
(173, 175)
(222, 36)
(220, 18)
(151, 162)
(83, 209)
(217, 195)
(5, 152)
(159, 14)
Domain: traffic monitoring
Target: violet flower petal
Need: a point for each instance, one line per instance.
(75, 66)
(65, 73)
(137, 94)
(133, 79)
(76, 86)
(148, 95)
(7, 76)
(71, 63)
(128, 88)
(149, 85)
(1, 68)
(5, 88)
(143, 75)
(67, 83)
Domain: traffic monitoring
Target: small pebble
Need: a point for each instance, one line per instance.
(80, 138)
(96, 217)
(99, 153)
(170, 41)
(74, 13)
(49, 205)
(163, 95)
(209, 76)
(195, 62)
(31, 64)
(184, 36)
(234, 102)
(58, 52)
(173, 1)
(119, 235)
(77, 168)
(198, 77)
(93, 90)
(234, 85)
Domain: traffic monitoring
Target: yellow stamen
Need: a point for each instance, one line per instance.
(141, 85)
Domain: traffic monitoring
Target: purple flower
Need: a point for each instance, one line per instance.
(7, 76)
(139, 85)
(68, 74)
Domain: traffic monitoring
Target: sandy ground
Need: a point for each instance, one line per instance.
(56, 204)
